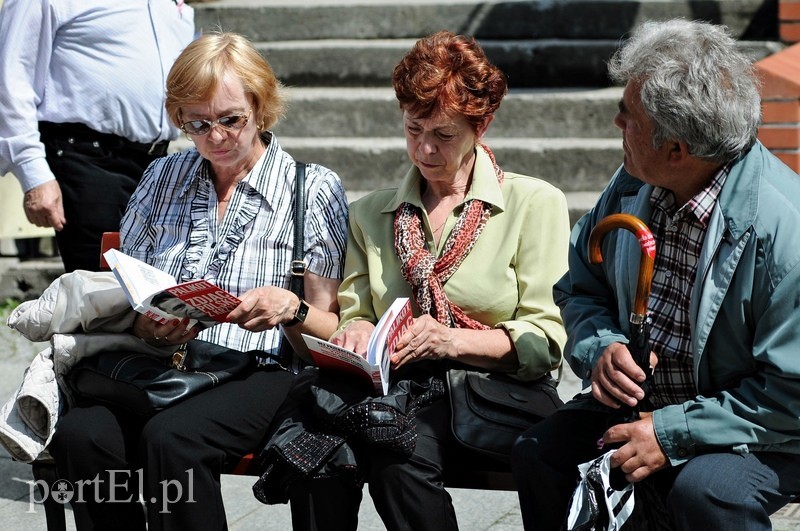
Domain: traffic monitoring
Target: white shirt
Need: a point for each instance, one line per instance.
(102, 63)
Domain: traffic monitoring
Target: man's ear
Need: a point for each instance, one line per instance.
(678, 151)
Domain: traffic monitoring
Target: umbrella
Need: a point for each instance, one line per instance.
(639, 345)
(602, 499)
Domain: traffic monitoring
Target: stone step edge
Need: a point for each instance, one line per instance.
(394, 143)
(405, 43)
(611, 18)
(346, 93)
(532, 143)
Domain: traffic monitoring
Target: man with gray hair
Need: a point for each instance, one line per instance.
(721, 446)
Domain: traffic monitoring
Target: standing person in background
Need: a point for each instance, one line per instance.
(82, 93)
(722, 447)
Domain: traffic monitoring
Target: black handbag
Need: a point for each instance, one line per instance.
(490, 410)
(144, 384)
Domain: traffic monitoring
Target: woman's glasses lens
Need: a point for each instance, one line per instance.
(202, 127)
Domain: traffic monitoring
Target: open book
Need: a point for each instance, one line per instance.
(374, 370)
(157, 295)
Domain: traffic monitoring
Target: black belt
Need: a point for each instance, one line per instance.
(82, 133)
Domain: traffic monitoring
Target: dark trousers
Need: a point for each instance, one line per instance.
(176, 457)
(408, 493)
(97, 174)
(711, 491)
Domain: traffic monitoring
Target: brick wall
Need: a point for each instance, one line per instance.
(780, 97)
(789, 20)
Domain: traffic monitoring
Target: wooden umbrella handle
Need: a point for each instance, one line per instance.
(646, 264)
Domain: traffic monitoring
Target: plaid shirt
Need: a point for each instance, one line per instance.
(679, 235)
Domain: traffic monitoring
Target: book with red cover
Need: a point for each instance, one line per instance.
(375, 368)
(157, 295)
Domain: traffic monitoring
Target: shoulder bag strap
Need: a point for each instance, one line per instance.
(287, 359)
(298, 262)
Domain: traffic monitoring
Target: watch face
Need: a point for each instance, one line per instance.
(300, 315)
(302, 311)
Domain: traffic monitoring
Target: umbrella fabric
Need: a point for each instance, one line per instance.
(639, 348)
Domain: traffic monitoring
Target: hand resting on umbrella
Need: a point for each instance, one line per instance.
(616, 378)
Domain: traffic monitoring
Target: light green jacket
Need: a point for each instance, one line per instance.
(505, 281)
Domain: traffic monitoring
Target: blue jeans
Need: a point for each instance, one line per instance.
(720, 490)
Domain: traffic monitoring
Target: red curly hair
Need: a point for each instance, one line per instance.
(449, 73)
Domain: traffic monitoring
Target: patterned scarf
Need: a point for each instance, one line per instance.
(424, 272)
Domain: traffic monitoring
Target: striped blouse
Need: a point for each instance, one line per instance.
(171, 223)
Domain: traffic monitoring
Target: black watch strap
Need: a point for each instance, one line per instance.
(300, 315)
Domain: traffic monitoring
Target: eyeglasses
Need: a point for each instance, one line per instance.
(232, 122)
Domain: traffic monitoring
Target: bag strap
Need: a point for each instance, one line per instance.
(298, 268)
(286, 357)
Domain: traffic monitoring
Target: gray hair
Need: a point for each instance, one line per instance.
(696, 86)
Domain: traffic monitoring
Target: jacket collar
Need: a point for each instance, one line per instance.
(738, 200)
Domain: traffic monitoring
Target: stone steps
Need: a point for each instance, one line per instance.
(565, 136)
(528, 63)
(572, 164)
(283, 20)
(336, 57)
(371, 163)
(536, 42)
(524, 113)
(369, 62)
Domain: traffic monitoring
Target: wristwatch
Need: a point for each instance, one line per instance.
(300, 315)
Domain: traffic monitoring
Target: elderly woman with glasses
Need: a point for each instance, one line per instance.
(222, 211)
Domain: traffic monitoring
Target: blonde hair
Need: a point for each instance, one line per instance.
(199, 69)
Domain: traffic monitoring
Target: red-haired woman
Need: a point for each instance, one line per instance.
(476, 248)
